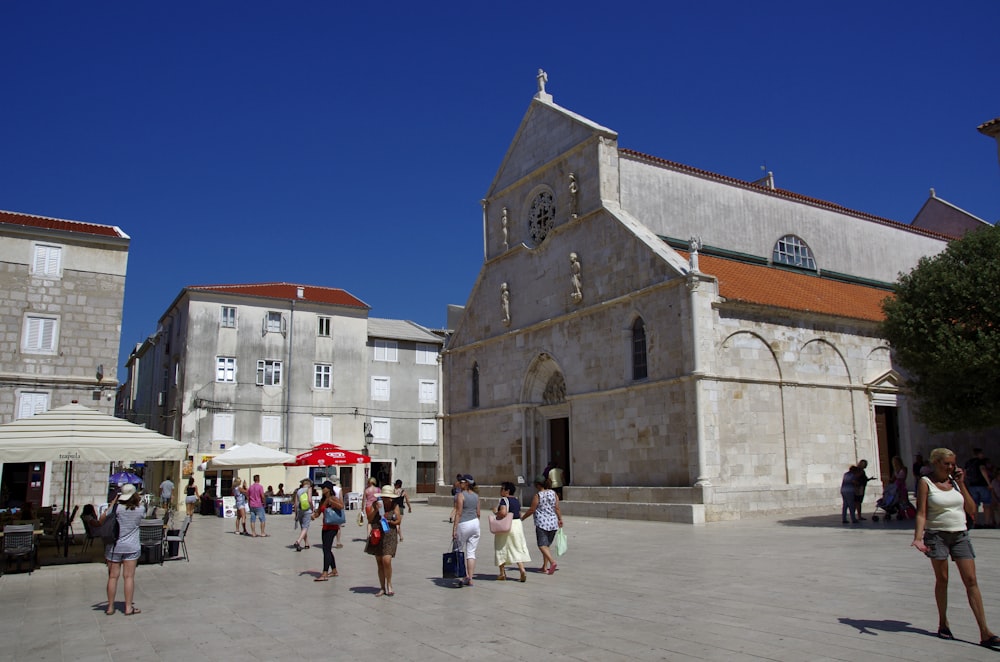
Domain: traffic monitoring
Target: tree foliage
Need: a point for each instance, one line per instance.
(944, 328)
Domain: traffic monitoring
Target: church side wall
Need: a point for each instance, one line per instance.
(678, 204)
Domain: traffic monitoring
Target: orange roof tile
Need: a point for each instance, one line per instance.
(288, 291)
(781, 288)
(30, 220)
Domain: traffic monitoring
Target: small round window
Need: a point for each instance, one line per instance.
(541, 216)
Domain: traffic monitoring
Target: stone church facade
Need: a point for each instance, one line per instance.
(687, 346)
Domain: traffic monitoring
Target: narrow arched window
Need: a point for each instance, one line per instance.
(638, 349)
(793, 251)
(475, 384)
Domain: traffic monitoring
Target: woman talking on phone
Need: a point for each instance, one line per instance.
(943, 501)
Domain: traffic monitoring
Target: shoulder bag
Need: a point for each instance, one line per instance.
(332, 516)
(109, 530)
(501, 525)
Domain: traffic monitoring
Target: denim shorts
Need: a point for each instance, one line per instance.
(941, 543)
(257, 513)
(980, 494)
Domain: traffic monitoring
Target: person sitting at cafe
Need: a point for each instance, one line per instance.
(89, 518)
(281, 490)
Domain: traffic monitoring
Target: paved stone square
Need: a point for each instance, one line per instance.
(792, 588)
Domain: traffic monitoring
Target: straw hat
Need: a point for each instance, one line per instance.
(387, 492)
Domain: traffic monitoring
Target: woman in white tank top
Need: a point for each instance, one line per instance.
(943, 501)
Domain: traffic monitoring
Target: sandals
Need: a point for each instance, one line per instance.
(945, 633)
(524, 577)
(992, 642)
(322, 578)
(133, 612)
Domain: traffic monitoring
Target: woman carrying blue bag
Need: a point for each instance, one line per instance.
(331, 509)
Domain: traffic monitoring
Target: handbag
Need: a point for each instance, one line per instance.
(375, 537)
(109, 530)
(453, 563)
(333, 516)
(560, 543)
(361, 518)
(501, 525)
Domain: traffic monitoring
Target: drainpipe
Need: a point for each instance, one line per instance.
(288, 373)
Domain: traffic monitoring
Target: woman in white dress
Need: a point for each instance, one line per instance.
(510, 547)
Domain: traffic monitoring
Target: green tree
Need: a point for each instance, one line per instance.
(944, 327)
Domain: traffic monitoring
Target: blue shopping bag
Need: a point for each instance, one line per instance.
(453, 563)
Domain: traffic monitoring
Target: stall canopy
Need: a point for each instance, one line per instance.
(75, 433)
(328, 455)
(248, 455)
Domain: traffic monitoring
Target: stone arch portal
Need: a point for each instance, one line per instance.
(546, 417)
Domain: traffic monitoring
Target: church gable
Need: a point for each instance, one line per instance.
(546, 132)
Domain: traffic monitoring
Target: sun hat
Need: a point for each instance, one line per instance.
(327, 485)
(126, 491)
(387, 492)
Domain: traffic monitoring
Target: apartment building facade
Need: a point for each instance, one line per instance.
(60, 323)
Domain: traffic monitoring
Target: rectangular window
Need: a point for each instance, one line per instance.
(48, 261)
(225, 369)
(40, 333)
(322, 372)
(270, 429)
(428, 390)
(228, 317)
(380, 388)
(428, 431)
(426, 354)
(32, 403)
(386, 350)
(222, 427)
(324, 327)
(268, 373)
(380, 430)
(274, 322)
(321, 429)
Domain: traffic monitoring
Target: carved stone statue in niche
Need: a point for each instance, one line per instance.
(555, 390)
(575, 279)
(573, 190)
(505, 303)
(503, 226)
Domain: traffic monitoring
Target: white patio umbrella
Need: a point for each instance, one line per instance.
(77, 433)
(249, 455)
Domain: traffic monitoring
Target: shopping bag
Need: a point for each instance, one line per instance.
(453, 563)
(560, 542)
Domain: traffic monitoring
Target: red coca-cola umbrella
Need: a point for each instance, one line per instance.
(328, 455)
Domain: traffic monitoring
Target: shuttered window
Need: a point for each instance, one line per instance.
(270, 429)
(40, 334)
(32, 403)
(222, 427)
(48, 261)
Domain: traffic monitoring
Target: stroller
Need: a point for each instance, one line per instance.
(892, 503)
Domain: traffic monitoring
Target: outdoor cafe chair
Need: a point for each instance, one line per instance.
(151, 539)
(19, 543)
(179, 538)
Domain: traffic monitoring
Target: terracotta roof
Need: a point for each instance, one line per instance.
(781, 193)
(30, 220)
(791, 290)
(288, 291)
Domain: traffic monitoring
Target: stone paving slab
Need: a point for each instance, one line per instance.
(802, 588)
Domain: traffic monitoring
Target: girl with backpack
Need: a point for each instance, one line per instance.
(303, 513)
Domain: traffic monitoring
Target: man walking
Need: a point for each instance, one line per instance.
(255, 499)
(166, 493)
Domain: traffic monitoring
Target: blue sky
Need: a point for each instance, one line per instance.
(346, 146)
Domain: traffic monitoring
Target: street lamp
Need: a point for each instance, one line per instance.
(368, 437)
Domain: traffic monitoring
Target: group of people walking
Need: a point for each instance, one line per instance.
(509, 544)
